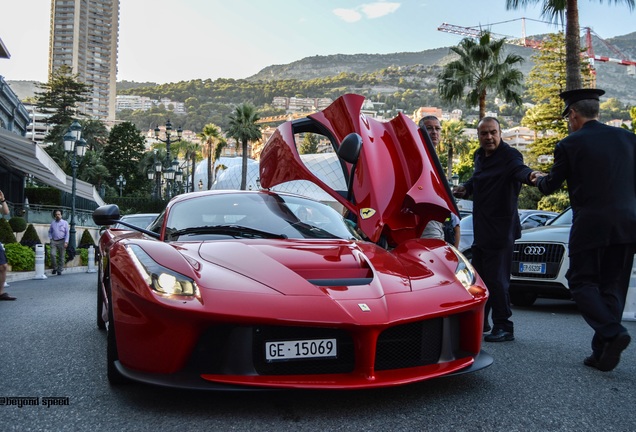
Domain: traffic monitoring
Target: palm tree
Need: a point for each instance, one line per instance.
(453, 140)
(555, 11)
(244, 129)
(210, 136)
(480, 68)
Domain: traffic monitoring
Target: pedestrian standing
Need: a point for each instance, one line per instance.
(593, 159)
(4, 210)
(437, 229)
(495, 185)
(59, 235)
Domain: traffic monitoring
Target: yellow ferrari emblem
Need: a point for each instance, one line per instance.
(366, 213)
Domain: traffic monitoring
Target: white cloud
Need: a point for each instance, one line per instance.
(379, 9)
(348, 15)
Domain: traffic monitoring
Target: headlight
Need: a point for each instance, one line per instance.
(465, 272)
(160, 278)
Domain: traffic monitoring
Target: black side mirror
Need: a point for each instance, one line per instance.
(349, 151)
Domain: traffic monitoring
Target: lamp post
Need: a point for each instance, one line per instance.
(121, 182)
(75, 147)
(169, 173)
(455, 180)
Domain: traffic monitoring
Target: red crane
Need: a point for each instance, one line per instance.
(535, 44)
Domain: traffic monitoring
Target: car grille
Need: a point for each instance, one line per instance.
(240, 350)
(552, 255)
(409, 345)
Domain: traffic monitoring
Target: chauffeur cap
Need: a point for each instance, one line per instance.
(572, 96)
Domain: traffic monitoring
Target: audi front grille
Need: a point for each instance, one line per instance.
(549, 253)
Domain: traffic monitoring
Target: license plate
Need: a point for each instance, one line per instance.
(537, 268)
(300, 349)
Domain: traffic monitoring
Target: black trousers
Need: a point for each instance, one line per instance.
(598, 280)
(493, 265)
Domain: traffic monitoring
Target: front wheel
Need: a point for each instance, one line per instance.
(101, 324)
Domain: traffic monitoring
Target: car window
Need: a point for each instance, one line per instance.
(564, 218)
(536, 220)
(288, 216)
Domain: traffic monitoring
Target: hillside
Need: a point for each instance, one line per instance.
(612, 77)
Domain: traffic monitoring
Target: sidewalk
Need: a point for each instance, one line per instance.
(19, 276)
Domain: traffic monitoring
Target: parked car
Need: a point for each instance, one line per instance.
(235, 289)
(140, 220)
(540, 261)
(528, 219)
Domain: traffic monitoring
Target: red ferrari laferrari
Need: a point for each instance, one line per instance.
(257, 289)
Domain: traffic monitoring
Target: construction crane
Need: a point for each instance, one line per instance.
(631, 65)
(536, 44)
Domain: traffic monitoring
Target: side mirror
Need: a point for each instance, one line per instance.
(349, 151)
(350, 147)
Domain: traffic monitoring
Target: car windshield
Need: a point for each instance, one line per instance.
(254, 215)
(564, 218)
(141, 221)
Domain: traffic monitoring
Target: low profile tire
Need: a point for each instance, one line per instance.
(522, 298)
(114, 376)
(101, 324)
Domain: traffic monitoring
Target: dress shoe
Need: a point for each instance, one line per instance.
(591, 361)
(499, 335)
(612, 350)
(54, 272)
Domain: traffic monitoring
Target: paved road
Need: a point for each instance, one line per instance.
(49, 346)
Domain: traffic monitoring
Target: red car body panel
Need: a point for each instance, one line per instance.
(399, 315)
(395, 176)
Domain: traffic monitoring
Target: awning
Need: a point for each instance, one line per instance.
(28, 157)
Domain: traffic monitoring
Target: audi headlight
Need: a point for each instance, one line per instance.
(465, 272)
(159, 278)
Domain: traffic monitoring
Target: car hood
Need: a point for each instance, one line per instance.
(549, 233)
(398, 185)
(303, 268)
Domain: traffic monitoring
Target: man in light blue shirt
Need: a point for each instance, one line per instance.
(59, 235)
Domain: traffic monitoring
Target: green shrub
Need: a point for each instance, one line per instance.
(30, 237)
(83, 256)
(21, 258)
(18, 224)
(557, 202)
(6, 233)
(86, 241)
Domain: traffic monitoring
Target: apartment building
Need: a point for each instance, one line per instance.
(84, 36)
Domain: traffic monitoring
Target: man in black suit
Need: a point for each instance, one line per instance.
(495, 185)
(598, 162)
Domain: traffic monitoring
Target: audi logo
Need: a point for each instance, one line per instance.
(534, 250)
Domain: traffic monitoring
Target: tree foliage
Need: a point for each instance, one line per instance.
(123, 156)
(61, 96)
(212, 138)
(453, 140)
(309, 144)
(480, 69)
(244, 129)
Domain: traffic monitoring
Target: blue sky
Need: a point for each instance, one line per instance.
(176, 40)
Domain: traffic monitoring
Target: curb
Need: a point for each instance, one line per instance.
(27, 275)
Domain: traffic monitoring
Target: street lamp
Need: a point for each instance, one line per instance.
(121, 182)
(455, 180)
(75, 147)
(169, 173)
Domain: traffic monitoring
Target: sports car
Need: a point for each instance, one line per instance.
(260, 289)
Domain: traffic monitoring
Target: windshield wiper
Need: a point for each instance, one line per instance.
(233, 230)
